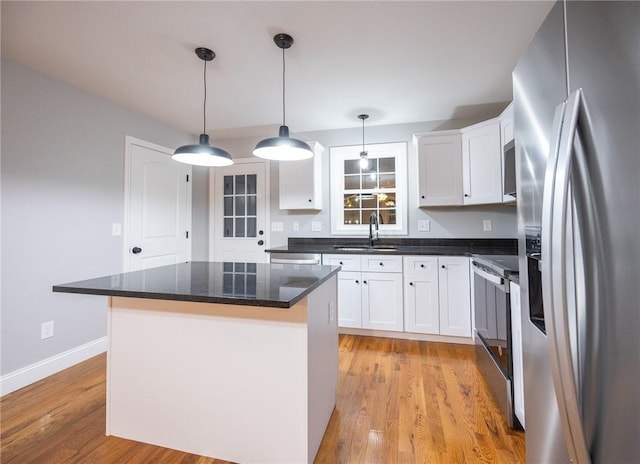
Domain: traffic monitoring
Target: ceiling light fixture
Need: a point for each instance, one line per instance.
(364, 156)
(283, 147)
(203, 154)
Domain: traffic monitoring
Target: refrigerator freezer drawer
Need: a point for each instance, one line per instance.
(499, 385)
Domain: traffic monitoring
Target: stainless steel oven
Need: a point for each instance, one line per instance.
(492, 329)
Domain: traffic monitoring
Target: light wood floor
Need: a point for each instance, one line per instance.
(398, 401)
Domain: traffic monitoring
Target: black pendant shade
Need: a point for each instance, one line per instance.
(203, 154)
(283, 147)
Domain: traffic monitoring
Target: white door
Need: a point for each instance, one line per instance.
(239, 213)
(157, 221)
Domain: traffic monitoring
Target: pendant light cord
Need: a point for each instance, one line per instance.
(204, 105)
(363, 135)
(283, 90)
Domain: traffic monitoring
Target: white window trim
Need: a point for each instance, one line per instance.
(337, 156)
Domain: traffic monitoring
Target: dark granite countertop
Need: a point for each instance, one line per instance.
(271, 285)
(400, 246)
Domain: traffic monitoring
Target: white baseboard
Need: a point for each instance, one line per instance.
(27, 375)
(407, 336)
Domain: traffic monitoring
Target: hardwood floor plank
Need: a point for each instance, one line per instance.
(398, 401)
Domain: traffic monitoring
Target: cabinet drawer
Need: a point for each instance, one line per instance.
(348, 262)
(420, 265)
(381, 263)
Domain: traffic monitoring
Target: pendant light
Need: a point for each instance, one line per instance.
(283, 147)
(364, 155)
(203, 154)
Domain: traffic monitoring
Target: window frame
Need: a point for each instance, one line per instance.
(337, 157)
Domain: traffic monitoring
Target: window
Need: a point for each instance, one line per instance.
(380, 188)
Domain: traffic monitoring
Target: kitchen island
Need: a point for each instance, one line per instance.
(236, 361)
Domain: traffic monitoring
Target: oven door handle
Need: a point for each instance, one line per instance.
(493, 278)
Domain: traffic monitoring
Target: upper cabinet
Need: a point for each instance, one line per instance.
(439, 168)
(482, 163)
(465, 166)
(301, 181)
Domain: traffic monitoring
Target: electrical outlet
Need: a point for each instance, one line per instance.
(296, 226)
(46, 330)
(277, 227)
(424, 226)
(316, 226)
(486, 225)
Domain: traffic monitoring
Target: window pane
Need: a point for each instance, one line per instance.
(238, 284)
(351, 182)
(239, 185)
(239, 227)
(251, 206)
(369, 201)
(352, 217)
(373, 166)
(366, 215)
(387, 216)
(251, 267)
(251, 285)
(351, 201)
(251, 227)
(228, 185)
(239, 267)
(228, 227)
(251, 183)
(369, 181)
(387, 164)
(351, 167)
(387, 181)
(240, 206)
(370, 165)
(228, 206)
(387, 200)
(227, 284)
(227, 267)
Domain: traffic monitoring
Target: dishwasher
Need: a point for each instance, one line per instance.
(295, 258)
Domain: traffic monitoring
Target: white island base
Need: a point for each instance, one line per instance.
(247, 384)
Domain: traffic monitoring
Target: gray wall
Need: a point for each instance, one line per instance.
(453, 222)
(62, 187)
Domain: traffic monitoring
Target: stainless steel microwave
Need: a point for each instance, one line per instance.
(509, 166)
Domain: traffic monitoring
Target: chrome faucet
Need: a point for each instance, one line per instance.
(373, 235)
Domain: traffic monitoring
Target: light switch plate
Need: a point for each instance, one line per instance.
(277, 227)
(296, 226)
(424, 226)
(486, 224)
(316, 226)
(116, 229)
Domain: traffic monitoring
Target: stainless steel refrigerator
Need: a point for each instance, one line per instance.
(577, 134)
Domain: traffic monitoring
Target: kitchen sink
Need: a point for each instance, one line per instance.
(365, 248)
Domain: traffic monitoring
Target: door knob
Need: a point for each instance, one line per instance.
(136, 250)
(260, 242)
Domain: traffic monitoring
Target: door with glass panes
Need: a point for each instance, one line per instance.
(239, 213)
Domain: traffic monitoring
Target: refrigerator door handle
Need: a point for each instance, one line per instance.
(554, 275)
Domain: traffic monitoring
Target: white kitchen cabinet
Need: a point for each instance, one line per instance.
(439, 168)
(369, 291)
(508, 159)
(421, 302)
(506, 125)
(454, 284)
(482, 163)
(301, 181)
(516, 347)
(382, 301)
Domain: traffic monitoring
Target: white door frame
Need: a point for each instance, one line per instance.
(128, 142)
(212, 202)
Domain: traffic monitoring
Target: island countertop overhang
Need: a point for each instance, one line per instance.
(248, 284)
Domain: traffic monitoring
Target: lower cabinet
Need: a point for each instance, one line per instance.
(369, 291)
(419, 294)
(437, 295)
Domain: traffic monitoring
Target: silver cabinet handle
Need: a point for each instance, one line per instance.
(554, 274)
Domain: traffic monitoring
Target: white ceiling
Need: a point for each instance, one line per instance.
(398, 61)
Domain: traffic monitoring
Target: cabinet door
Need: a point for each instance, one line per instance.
(349, 299)
(301, 182)
(439, 170)
(516, 349)
(382, 301)
(421, 312)
(482, 164)
(455, 296)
